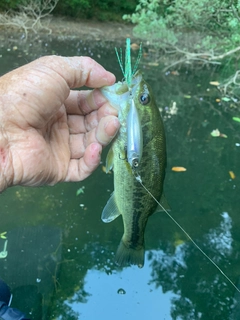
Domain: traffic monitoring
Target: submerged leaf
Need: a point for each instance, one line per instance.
(3, 235)
(215, 133)
(80, 191)
(153, 64)
(226, 99)
(232, 175)
(179, 169)
(223, 135)
(135, 46)
(187, 96)
(236, 119)
(178, 242)
(214, 83)
(175, 73)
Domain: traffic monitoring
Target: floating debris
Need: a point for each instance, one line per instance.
(226, 99)
(135, 46)
(179, 169)
(3, 235)
(232, 175)
(236, 119)
(214, 83)
(80, 191)
(153, 64)
(175, 73)
(216, 133)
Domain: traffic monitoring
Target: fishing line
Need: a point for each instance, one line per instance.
(138, 178)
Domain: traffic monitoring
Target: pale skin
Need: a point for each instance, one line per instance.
(48, 132)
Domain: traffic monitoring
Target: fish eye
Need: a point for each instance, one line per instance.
(144, 99)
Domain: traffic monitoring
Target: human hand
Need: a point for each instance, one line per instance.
(50, 133)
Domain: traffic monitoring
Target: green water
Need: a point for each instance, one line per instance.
(60, 261)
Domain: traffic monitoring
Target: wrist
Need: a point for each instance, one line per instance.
(5, 168)
(5, 158)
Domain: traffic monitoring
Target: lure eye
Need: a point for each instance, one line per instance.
(135, 164)
(144, 99)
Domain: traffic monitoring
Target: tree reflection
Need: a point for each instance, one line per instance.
(183, 271)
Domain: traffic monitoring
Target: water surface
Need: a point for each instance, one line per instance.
(60, 262)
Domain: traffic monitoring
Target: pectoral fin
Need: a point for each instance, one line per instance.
(164, 204)
(109, 160)
(110, 211)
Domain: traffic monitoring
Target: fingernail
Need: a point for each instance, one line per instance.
(116, 123)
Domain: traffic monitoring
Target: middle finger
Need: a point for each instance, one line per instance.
(103, 134)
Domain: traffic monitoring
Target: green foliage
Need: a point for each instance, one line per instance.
(9, 4)
(214, 23)
(99, 9)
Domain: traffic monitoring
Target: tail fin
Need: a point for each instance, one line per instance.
(126, 255)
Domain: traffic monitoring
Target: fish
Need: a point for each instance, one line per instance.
(138, 151)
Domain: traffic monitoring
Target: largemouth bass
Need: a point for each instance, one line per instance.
(139, 150)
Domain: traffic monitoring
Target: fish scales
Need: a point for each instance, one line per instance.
(129, 198)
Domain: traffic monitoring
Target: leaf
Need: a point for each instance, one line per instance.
(223, 135)
(178, 242)
(215, 133)
(226, 99)
(135, 46)
(187, 96)
(214, 83)
(232, 175)
(153, 64)
(80, 191)
(3, 235)
(179, 169)
(175, 73)
(236, 119)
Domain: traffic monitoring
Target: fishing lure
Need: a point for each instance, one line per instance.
(134, 137)
(127, 71)
(134, 128)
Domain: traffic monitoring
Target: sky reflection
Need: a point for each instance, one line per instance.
(141, 299)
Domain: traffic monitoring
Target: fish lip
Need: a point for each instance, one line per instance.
(121, 88)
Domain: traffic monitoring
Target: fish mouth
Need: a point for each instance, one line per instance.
(119, 93)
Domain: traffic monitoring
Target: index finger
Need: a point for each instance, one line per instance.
(78, 71)
(41, 87)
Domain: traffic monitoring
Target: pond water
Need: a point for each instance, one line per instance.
(60, 259)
